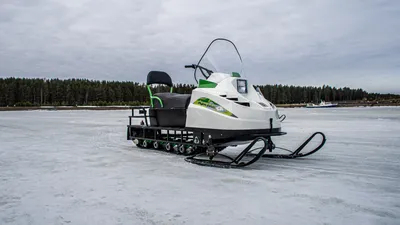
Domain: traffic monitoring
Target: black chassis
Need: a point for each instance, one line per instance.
(210, 142)
(192, 136)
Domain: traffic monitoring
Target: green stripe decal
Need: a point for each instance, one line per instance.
(206, 84)
(235, 74)
(210, 104)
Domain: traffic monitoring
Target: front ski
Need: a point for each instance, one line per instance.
(236, 162)
(297, 153)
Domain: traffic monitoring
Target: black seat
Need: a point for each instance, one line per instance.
(172, 100)
(171, 110)
(159, 77)
(169, 100)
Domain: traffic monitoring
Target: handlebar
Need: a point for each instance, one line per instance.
(194, 66)
(190, 66)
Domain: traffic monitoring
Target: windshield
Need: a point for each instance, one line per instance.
(221, 56)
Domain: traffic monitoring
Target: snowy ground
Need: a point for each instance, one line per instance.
(76, 167)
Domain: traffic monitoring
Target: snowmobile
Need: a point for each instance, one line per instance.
(223, 110)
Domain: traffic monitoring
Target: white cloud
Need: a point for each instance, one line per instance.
(353, 43)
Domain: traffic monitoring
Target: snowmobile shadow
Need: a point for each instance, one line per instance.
(279, 156)
(267, 164)
(274, 164)
(225, 160)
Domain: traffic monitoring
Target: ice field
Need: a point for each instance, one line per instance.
(76, 167)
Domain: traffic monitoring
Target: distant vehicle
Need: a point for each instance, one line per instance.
(322, 104)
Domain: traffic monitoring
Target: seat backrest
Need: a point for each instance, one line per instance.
(159, 77)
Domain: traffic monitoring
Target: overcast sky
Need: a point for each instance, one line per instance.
(350, 43)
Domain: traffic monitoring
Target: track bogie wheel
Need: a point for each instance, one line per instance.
(168, 147)
(182, 149)
(176, 148)
(189, 150)
(137, 142)
(145, 144)
(156, 145)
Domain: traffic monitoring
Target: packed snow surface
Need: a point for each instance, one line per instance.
(76, 167)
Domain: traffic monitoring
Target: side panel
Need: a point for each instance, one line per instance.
(201, 117)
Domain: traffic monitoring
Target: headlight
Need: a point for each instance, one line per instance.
(242, 86)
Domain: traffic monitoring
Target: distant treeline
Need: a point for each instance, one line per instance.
(283, 94)
(35, 92)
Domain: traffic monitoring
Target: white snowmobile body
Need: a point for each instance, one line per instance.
(223, 110)
(222, 102)
(223, 107)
